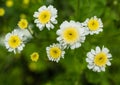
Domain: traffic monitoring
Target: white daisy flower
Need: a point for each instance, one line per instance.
(26, 34)
(98, 59)
(93, 25)
(14, 41)
(46, 16)
(71, 34)
(55, 52)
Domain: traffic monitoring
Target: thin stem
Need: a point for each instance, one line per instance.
(30, 32)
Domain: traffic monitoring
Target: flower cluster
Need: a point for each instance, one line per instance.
(71, 35)
(15, 41)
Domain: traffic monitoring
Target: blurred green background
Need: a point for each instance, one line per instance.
(18, 69)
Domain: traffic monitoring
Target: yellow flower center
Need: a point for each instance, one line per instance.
(100, 59)
(93, 24)
(2, 11)
(70, 35)
(44, 16)
(9, 3)
(34, 56)
(23, 23)
(14, 41)
(55, 52)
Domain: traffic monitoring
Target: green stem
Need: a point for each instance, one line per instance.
(30, 32)
(77, 9)
(33, 34)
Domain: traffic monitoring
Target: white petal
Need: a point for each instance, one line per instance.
(89, 60)
(90, 66)
(90, 55)
(36, 14)
(48, 26)
(98, 49)
(78, 45)
(109, 55)
(58, 32)
(10, 50)
(105, 50)
(20, 48)
(72, 47)
(103, 68)
(59, 38)
(42, 8)
(108, 63)
(96, 68)
(93, 52)
(51, 26)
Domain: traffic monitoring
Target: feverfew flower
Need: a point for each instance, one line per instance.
(55, 52)
(71, 34)
(34, 56)
(14, 41)
(2, 11)
(9, 3)
(93, 25)
(98, 59)
(23, 23)
(46, 16)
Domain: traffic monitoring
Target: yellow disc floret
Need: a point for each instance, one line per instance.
(55, 52)
(93, 24)
(9, 3)
(34, 56)
(23, 23)
(44, 16)
(14, 41)
(70, 35)
(100, 59)
(2, 12)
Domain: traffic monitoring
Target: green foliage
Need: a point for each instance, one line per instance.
(18, 69)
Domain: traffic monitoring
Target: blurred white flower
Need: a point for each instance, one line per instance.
(93, 25)
(98, 59)
(55, 52)
(14, 41)
(71, 34)
(26, 34)
(46, 16)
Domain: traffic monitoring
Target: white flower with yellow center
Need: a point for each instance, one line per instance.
(71, 34)
(55, 52)
(46, 16)
(14, 41)
(98, 59)
(93, 25)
